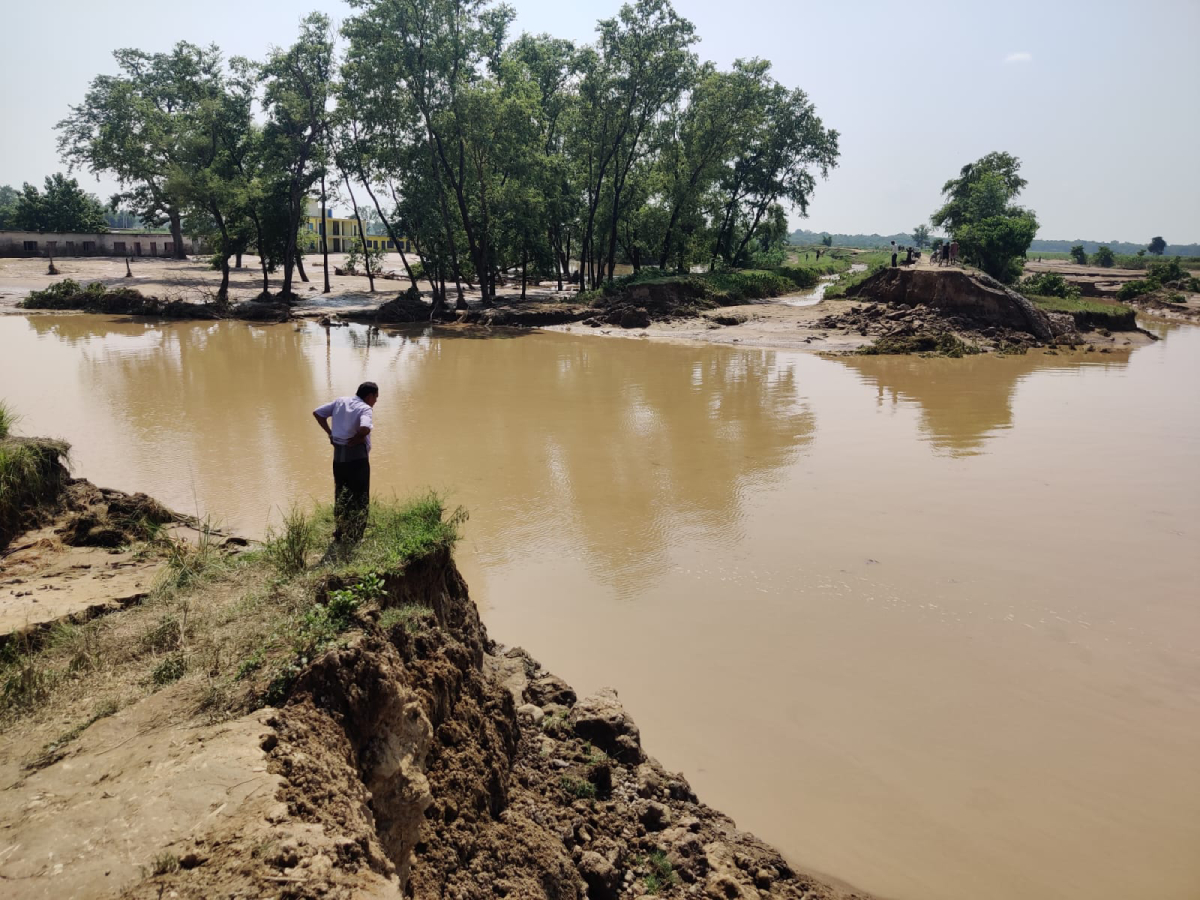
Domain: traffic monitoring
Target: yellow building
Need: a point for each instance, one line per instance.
(343, 233)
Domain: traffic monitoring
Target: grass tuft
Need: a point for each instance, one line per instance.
(289, 548)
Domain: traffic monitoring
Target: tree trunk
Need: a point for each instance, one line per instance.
(177, 233)
(362, 233)
(300, 266)
(324, 239)
(524, 267)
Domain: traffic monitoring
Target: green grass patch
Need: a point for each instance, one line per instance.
(662, 875)
(1089, 313)
(232, 631)
(32, 475)
(577, 788)
(412, 617)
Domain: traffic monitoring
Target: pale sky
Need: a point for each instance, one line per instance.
(1098, 99)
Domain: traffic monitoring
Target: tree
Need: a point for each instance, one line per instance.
(1104, 257)
(992, 232)
(827, 240)
(8, 205)
(131, 125)
(1079, 254)
(921, 236)
(64, 206)
(1157, 245)
(296, 98)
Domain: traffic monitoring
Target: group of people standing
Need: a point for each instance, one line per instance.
(945, 254)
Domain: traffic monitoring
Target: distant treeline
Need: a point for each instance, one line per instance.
(801, 236)
(1091, 247)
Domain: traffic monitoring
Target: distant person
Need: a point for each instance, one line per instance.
(908, 258)
(954, 253)
(893, 254)
(348, 422)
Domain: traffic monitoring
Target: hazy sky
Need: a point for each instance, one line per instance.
(1098, 99)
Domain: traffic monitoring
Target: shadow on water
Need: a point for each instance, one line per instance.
(965, 402)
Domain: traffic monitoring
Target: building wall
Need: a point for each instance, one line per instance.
(342, 233)
(113, 243)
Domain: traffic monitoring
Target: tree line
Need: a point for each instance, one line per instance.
(490, 153)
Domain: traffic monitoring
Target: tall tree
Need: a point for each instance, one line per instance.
(979, 213)
(299, 87)
(921, 236)
(1157, 246)
(63, 206)
(131, 125)
(8, 205)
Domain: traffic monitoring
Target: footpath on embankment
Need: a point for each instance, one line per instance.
(294, 721)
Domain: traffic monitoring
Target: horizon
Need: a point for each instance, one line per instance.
(1021, 89)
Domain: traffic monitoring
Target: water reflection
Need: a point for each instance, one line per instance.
(965, 402)
(610, 451)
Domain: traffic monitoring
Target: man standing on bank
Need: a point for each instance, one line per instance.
(348, 422)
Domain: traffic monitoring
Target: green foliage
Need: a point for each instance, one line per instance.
(1157, 245)
(8, 419)
(921, 236)
(992, 232)
(1131, 290)
(32, 475)
(1078, 254)
(1104, 257)
(662, 875)
(1089, 313)
(64, 206)
(411, 617)
(827, 240)
(1049, 284)
(288, 548)
(169, 670)
(577, 788)
(8, 205)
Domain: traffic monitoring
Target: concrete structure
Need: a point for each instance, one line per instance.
(342, 233)
(112, 243)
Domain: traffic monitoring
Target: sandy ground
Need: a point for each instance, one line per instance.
(194, 281)
(790, 322)
(43, 580)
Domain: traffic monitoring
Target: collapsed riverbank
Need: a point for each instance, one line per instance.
(293, 722)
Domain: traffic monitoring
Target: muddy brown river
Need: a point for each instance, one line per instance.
(932, 627)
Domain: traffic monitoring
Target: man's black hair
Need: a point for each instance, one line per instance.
(366, 389)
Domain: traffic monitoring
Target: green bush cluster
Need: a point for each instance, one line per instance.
(1162, 273)
(1049, 284)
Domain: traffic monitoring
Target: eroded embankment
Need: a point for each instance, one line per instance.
(935, 309)
(268, 724)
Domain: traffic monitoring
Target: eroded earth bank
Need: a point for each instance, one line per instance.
(324, 727)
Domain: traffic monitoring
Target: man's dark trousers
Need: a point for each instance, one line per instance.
(352, 494)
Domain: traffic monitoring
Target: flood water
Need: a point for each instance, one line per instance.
(932, 627)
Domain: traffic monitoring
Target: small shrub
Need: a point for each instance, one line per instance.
(8, 419)
(1049, 284)
(169, 670)
(662, 874)
(164, 864)
(288, 549)
(1131, 290)
(412, 617)
(578, 788)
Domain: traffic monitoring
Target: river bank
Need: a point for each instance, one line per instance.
(349, 720)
